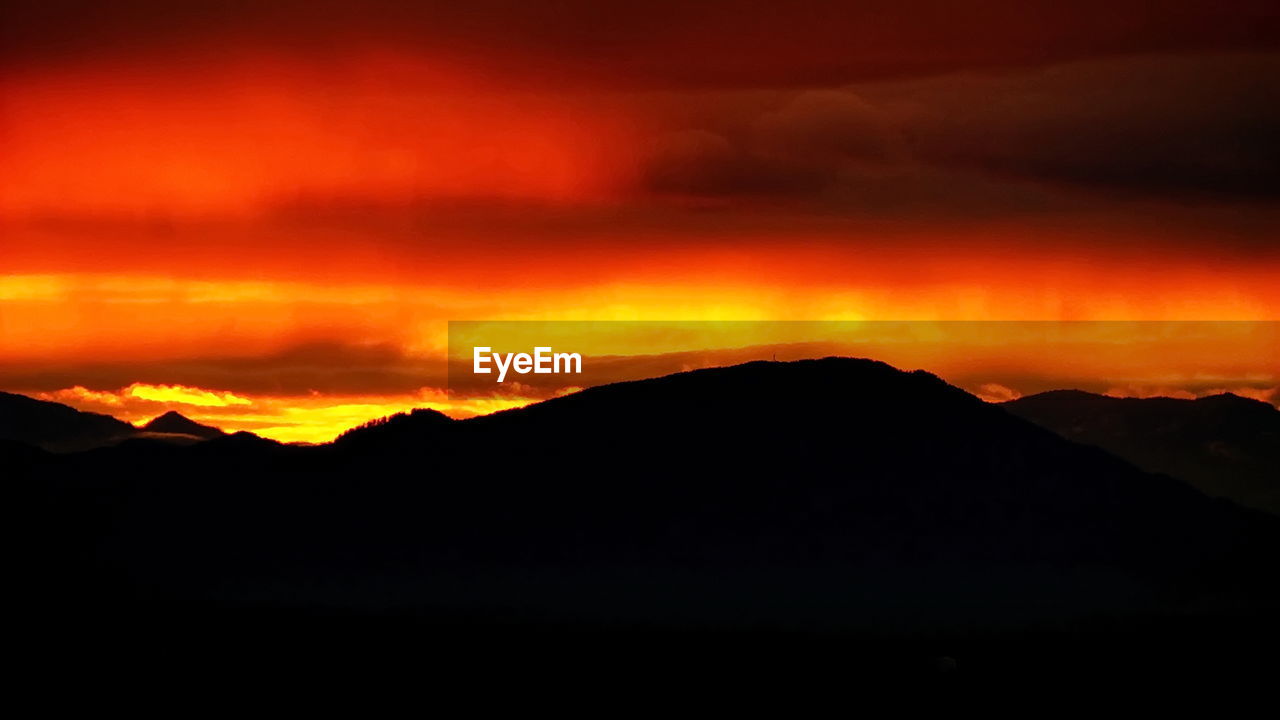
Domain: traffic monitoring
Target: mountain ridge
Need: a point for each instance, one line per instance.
(826, 493)
(55, 426)
(60, 428)
(1225, 444)
(176, 423)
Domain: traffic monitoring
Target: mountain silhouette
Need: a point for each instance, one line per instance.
(823, 496)
(1226, 445)
(60, 428)
(56, 427)
(411, 427)
(177, 424)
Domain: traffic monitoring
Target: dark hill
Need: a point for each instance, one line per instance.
(828, 496)
(1226, 445)
(56, 427)
(411, 428)
(63, 429)
(178, 424)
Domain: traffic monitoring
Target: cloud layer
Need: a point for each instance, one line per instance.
(1165, 127)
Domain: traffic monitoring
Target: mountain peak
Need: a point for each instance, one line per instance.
(177, 423)
(1230, 399)
(411, 426)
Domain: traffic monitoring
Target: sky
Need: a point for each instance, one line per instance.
(265, 214)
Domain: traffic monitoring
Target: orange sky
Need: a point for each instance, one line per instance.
(269, 228)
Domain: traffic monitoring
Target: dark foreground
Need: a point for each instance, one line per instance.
(444, 650)
(810, 523)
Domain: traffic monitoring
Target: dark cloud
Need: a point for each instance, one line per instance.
(1164, 127)
(831, 126)
(333, 368)
(660, 43)
(799, 148)
(701, 164)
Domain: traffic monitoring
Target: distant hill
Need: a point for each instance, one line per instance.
(823, 495)
(412, 427)
(178, 424)
(1226, 445)
(60, 428)
(56, 427)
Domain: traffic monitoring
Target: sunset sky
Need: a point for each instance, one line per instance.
(263, 215)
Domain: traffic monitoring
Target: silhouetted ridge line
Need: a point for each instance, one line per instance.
(410, 425)
(176, 423)
(56, 427)
(823, 495)
(1225, 445)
